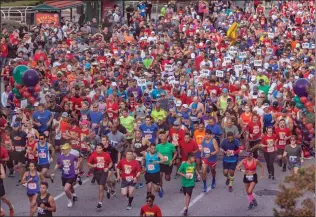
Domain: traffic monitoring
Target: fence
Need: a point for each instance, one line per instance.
(17, 13)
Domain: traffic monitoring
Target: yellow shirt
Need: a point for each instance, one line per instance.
(156, 115)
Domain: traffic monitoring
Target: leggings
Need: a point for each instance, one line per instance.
(270, 157)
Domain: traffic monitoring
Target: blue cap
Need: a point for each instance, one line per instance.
(87, 66)
(17, 124)
(194, 106)
(225, 90)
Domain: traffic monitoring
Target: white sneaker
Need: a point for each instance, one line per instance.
(70, 204)
(25, 185)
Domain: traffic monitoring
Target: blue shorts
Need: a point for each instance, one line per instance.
(229, 165)
(291, 165)
(198, 155)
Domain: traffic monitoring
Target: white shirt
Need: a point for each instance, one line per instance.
(4, 99)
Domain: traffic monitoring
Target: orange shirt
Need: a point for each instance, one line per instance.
(246, 118)
(198, 137)
(63, 126)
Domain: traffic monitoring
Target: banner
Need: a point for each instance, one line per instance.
(47, 18)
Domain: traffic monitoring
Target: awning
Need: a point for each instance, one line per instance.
(56, 6)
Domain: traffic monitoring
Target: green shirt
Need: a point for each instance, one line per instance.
(128, 123)
(187, 168)
(147, 62)
(264, 88)
(166, 150)
(156, 115)
(264, 77)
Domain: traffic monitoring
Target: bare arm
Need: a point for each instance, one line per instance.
(52, 204)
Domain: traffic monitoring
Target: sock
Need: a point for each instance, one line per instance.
(213, 179)
(231, 180)
(74, 194)
(130, 200)
(204, 182)
(69, 200)
(228, 176)
(250, 198)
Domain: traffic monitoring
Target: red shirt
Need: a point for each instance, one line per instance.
(114, 106)
(150, 211)
(186, 148)
(101, 160)
(270, 141)
(30, 147)
(75, 132)
(176, 136)
(254, 129)
(129, 169)
(83, 134)
(281, 134)
(3, 154)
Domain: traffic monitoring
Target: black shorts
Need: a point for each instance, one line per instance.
(229, 165)
(101, 177)
(166, 169)
(68, 180)
(125, 183)
(2, 191)
(43, 166)
(250, 178)
(152, 178)
(280, 151)
(30, 195)
(19, 157)
(188, 190)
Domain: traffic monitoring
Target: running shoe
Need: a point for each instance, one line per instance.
(137, 186)
(176, 176)
(99, 206)
(227, 182)
(270, 176)
(70, 204)
(79, 180)
(11, 174)
(108, 193)
(12, 211)
(18, 183)
(181, 189)
(160, 193)
(81, 173)
(204, 188)
(141, 185)
(113, 193)
(213, 185)
(230, 189)
(129, 207)
(89, 174)
(255, 203)
(74, 199)
(250, 206)
(25, 185)
(284, 169)
(52, 178)
(185, 212)
(273, 178)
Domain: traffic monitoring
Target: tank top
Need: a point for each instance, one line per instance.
(208, 148)
(40, 211)
(43, 154)
(33, 186)
(251, 167)
(139, 147)
(150, 167)
(267, 120)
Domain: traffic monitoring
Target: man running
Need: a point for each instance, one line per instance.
(44, 159)
(68, 163)
(188, 171)
(209, 151)
(230, 148)
(128, 170)
(2, 191)
(150, 209)
(149, 130)
(169, 153)
(283, 134)
(294, 155)
(45, 202)
(199, 135)
(101, 162)
(151, 164)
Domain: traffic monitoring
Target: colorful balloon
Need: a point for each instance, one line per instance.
(308, 104)
(31, 100)
(37, 89)
(300, 87)
(26, 94)
(16, 92)
(309, 126)
(297, 99)
(18, 73)
(30, 78)
(303, 99)
(18, 86)
(30, 89)
(299, 105)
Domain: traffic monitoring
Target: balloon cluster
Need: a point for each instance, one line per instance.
(26, 85)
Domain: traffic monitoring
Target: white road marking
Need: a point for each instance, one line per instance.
(76, 186)
(197, 198)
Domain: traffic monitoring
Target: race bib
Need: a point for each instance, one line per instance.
(270, 149)
(293, 159)
(150, 167)
(207, 150)
(166, 158)
(139, 158)
(148, 136)
(42, 155)
(189, 175)
(31, 186)
(249, 178)
(110, 115)
(18, 148)
(31, 157)
(129, 178)
(100, 165)
(40, 210)
(83, 146)
(282, 142)
(200, 147)
(256, 130)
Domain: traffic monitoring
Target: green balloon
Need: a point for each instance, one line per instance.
(299, 105)
(18, 73)
(16, 93)
(297, 99)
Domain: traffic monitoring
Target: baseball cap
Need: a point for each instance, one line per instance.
(178, 103)
(176, 123)
(253, 78)
(64, 115)
(185, 106)
(225, 90)
(17, 124)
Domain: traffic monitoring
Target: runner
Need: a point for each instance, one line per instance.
(42, 150)
(209, 156)
(101, 162)
(128, 171)
(33, 179)
(268, 143)
(149, 130)
(294, 154)
(188, 172)
(199, 135)
(45, 202)
(254, 131)
(168, 151)
(230, 148)
(151, 165)
(150, 209)
(68, 163)
(2, 191)
(250, 178)
(283, 134)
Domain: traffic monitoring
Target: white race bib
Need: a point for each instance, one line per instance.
(148, 136)
(42, 155)
(129, 178)
(293, 159)
(207, 150)
(166, 158)
(249, 178)
(189, 175)
(270, 149)
(32, 186)
(100, 165)
(18, 148)
(150, 167)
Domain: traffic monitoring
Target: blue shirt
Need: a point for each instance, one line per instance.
(234, 145)
(95, 117)
(155, 94)
(208, 148)
(152, 167)
(43, 154)
(149, 132)
(42, 118)
(215, 129)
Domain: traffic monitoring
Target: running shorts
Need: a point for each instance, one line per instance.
(198, 155)
(250, 178)
(2, 191)
(101, 177)
(125, 183)
(210, 164)
(43, 166)
(70, 181)
(166, 169)
(188, 190)
(291, 165)
(229, 165)
(19, 157)
(152, 178)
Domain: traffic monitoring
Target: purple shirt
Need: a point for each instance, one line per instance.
(137, 91)
(67, 165)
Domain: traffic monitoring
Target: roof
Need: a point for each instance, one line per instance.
(57, 6)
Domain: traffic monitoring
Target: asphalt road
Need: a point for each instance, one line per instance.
(217, 202)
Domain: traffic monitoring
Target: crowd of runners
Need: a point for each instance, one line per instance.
(143, 98)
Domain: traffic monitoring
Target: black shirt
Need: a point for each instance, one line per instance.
(18, 138)
(112, 152)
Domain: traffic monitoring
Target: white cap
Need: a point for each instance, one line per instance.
(243, 87)
(259, 70)
(200, 84)
(253, 78)
(178, 103)
(214, 91)
(114, 84)
(185, 106)
(69, 67)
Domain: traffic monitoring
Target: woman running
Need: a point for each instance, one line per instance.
(250, 178)
(268, 143)
(2, 191)
(45, 202)
(32, 178)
